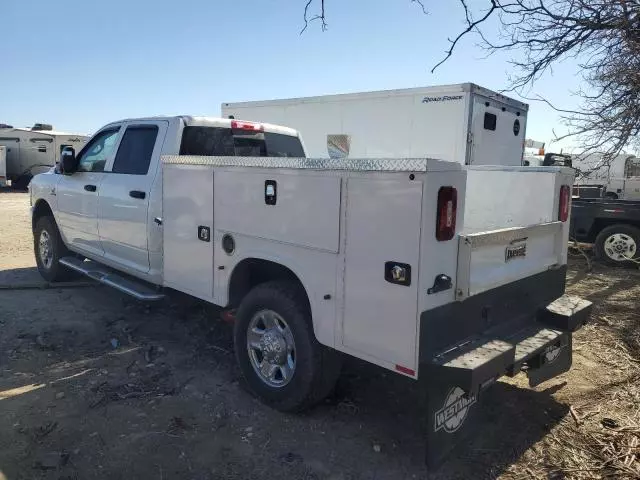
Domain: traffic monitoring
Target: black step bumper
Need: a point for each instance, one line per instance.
(466, 346)
(536, 345)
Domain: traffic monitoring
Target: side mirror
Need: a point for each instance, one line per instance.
(68, 161)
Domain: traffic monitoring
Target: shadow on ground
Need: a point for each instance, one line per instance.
(95, 385)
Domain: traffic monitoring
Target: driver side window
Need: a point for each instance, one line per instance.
(95, 156)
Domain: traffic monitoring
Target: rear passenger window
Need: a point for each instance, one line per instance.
(283, 145)
(225, 142)
(490, 121)
(136, 147)
(207, 141)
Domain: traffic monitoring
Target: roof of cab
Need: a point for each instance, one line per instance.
(190, 120)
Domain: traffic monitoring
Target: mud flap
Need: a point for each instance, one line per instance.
(551, 362)
(451, 417)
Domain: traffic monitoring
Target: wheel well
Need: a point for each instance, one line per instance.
(251, 272)
(42, 209)
(602, 223)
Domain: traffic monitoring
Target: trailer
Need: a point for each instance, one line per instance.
(34, 150)
(464, 123)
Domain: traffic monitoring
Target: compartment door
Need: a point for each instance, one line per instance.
(380, 301)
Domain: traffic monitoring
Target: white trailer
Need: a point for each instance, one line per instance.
(30, 151)
(620, 175)
(463, 123)
(449, 275)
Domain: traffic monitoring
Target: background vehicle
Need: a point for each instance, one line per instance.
(621, 175)
(35, 150)
(462, 123)
(613, 226)
(3, 166)
(416, 265)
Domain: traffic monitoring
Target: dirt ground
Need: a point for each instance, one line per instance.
(94, 385)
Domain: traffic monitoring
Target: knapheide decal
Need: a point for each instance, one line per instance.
(454, 412)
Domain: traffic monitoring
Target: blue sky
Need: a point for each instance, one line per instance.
(79, 64)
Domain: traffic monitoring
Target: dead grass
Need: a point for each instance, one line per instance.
(601, 436)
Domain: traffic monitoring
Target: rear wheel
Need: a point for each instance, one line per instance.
(618, 245)
(49, 248)
(276, 349)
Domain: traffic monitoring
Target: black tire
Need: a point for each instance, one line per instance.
(51, 271)
(316, 367)
(605, 235)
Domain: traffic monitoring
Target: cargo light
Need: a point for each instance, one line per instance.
(253, 127)
(565, 199)
(447, 209)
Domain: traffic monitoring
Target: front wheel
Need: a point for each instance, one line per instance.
(618, 245)
(49, 248)
(276, 349)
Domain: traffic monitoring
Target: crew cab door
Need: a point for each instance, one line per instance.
(126, 192)
(77, 212)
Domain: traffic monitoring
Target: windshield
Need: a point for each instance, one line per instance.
(218, 141)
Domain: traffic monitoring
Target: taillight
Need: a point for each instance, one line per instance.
(254, 127)
(447, 208)
(565, 198)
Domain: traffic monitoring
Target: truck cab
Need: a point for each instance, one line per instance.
(106, 198)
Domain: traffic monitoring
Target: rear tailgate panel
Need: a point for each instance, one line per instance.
(487, 260)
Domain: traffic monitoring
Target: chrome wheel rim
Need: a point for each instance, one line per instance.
(620, 247)
(271, 348)
(45, 249)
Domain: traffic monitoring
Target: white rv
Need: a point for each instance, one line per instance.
(463, 123)
(620, 176)
(34, 150)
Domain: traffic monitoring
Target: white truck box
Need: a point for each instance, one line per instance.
(463, 123)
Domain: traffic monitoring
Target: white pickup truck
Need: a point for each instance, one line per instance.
(446, 274)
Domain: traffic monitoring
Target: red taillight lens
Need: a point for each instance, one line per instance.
(565, 198)
(447, 209)
(254, 127)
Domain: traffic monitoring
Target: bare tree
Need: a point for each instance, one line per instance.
(603, 35)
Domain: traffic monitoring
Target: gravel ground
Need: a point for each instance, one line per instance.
(95, 385)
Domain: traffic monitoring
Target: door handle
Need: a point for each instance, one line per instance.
(137, 194)
(90, 188)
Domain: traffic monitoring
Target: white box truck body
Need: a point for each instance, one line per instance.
(463, 123)
(620, 175)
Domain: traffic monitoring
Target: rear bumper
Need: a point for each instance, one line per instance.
(542, 349)
(509, 330)
(466, 346)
